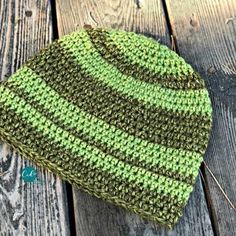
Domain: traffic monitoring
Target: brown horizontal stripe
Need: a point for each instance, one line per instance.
(114, 152)
(109, 50)
(172, 129)
(131, 194)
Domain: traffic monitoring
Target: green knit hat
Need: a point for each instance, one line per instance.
(116, 114)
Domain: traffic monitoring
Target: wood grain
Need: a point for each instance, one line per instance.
(27, 208)
(94, 216)
(206, 36)
(145, 18)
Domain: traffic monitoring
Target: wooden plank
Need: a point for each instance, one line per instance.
(145, 18)
(94, 216)
(206, 33)
(27, 208)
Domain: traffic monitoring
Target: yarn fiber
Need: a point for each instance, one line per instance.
(114, 113)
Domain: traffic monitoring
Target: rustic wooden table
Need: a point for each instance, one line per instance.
(205, 35)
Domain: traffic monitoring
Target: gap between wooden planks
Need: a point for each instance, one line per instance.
(206, 31)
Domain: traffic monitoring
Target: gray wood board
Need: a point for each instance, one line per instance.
(206, 37)
(93, 216)
(27, 208)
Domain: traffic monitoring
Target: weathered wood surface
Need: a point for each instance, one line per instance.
(27, 208)
(92, 215)
(96, 217)
(206, 37)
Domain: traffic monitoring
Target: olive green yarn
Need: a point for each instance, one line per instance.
(114, 113)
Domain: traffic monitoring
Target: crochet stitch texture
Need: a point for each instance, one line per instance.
(114, 113)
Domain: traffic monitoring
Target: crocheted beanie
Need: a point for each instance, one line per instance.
(116, 114)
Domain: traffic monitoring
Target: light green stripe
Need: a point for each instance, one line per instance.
(80, 46)
(171, 159)
(158, 183)
(155, 53)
